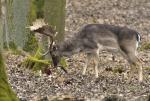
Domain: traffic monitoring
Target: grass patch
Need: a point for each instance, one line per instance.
(118, 69)
(147, 68)
(145, 46)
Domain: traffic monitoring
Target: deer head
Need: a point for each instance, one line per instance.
(41, 27)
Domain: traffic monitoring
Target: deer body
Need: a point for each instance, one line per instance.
(93, 38)
(100, 37)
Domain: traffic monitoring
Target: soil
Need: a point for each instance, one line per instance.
(134, 14)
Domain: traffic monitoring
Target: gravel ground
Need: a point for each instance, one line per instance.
(134, 14)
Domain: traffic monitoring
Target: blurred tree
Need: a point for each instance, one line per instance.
(16, 16)
(6, 92)
(1, 30)
(4, 25)
(20, 10)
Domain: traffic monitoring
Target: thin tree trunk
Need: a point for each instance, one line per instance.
(1, 29)
(4, 23)
(15, 17)
(20, 21)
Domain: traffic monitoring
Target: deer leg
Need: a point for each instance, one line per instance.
(132, 71)
(135, 63)
(86, 64)
(87, 61)
(96, 62)
(96, 67)
(140, 74)
(140, 70)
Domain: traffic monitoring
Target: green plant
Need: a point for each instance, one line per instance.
(145, 46)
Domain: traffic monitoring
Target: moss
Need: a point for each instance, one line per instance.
(36, 10)
(118, 69)
(12, 45)
(32, 44)
(32, 12)
(39, 6)
(12, 48)
(145, 46)
(63, 62)
(6, 92)
(5, 45)
(147, 68)
(36, 62)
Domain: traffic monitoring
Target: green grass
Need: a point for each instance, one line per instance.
(145, 46)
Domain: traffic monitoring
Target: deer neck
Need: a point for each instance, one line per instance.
(69, 47)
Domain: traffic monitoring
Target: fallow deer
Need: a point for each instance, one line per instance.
(93, 38)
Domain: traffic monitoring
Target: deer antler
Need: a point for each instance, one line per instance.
(39, 23)
(41, 27)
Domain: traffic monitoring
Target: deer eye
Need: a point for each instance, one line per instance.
(55, 48)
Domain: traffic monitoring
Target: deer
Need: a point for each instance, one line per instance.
(92, 39)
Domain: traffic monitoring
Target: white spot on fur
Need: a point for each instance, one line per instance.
(139, 37)
(137, 44)
(100, 47)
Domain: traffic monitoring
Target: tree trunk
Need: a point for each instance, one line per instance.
(6, 92)
(15, 19)
(20, 21)
(1, 29)
(54, 13)
(4, 23)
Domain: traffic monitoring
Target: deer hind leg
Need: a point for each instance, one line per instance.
(140, 70)
(96, 61)
(96, 66)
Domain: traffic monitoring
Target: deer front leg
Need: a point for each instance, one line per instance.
(140, 74)
(84, 69)
(86, 64)
(131, 72)
(95, 60)
(96, 68)
(140, 70)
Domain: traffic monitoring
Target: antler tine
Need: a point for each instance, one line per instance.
(40, 25)
(51, 43)
(50, 46)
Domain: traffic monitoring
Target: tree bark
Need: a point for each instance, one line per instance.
(20, 21)
(4, 23)
(54, 13)
(16, 17)
(1, 29)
